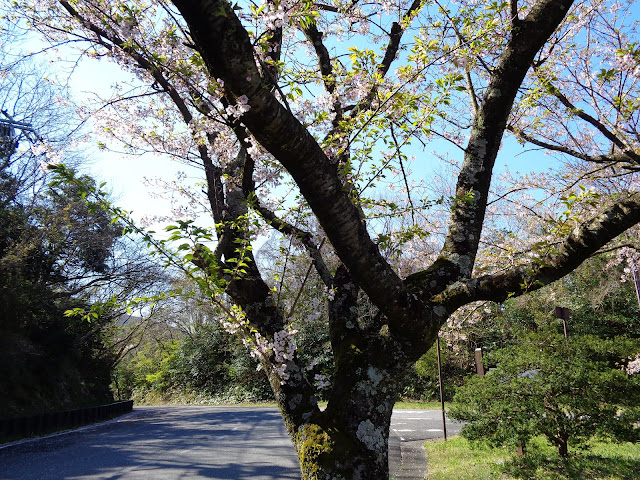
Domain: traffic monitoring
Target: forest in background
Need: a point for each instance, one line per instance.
(60, 253)
(187, 357)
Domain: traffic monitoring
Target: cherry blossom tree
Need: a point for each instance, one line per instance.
(300, 113)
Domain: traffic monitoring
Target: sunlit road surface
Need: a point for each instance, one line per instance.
(171, 443)
(163, 443)
(414, 425)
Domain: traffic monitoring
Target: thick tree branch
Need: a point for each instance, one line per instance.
(585, 241)
(514, 12)
(472, 190)
(228, 54)
(324, 59)
(326, 70)
(395, 36)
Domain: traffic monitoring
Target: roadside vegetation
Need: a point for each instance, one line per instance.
(58, 253)
(186, 357)
(571, 401)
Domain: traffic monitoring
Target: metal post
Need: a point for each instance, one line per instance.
(479, 366)
(444, 418)
(7, 130)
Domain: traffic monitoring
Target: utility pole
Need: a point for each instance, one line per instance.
(8, 137)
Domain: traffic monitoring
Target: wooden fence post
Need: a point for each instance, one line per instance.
(479, 366)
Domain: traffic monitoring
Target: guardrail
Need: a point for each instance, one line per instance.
(20, 427)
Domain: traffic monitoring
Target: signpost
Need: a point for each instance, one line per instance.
(479, 366)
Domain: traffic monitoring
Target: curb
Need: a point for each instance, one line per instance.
(407, 460)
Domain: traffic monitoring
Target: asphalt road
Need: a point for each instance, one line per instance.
(170, 443)
(162, 443)
(420, 425)
(408, 431)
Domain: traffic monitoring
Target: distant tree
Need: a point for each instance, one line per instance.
(185, 353)
(57, 253)
(48, 360)
(599, 303)
(60, 257)
(567, 390)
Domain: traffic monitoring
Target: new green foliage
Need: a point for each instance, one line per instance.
(565, 389)
(48, 253)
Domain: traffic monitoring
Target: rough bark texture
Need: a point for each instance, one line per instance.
(348, 440)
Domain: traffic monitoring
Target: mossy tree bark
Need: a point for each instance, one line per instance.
(349, 438)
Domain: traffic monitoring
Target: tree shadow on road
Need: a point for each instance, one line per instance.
(164, 443)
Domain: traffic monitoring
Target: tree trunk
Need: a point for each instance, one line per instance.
(331, 453)
(563, 444)
(349, 440)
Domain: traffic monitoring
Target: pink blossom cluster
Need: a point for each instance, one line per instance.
(241, 107)
(329, 293)
(235, 323)
(633, 367)
(276, 18)
(628, 63)
(277, 352)
(52, 155)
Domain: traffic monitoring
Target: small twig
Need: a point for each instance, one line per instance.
(295, 302)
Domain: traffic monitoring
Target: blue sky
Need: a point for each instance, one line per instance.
(124, 174)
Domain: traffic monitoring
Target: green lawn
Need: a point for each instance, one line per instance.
(458, 459)
(411, 405)
(186, 399)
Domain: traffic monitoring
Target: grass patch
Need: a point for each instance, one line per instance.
(459, 459)
(456, 459)
(411, 405)
(176, 397)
